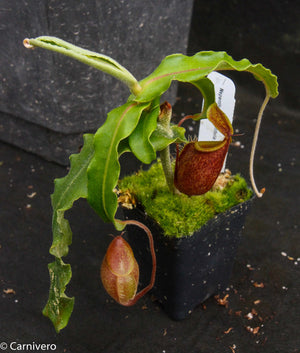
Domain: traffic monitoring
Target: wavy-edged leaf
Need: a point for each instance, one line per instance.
(104, 169)
(160, 140)
(59, 306)
(139, 140)
(194, 68)
(67, 190)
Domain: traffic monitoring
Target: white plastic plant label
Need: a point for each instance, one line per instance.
(225, 98)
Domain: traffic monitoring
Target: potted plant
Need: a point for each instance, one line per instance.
(144, 127)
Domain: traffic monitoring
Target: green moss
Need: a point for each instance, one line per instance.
(180, 215)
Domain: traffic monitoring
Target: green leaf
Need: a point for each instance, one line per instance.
(160, 140)
(91, 58)
(59, 306)
(207, 89)
(104, 169)
(123, 147)
(194, 68)
(67, 190)
(139, 140)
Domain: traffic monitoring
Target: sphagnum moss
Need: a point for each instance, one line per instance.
(182, 215)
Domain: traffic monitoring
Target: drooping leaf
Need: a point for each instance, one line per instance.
(104, 169)
(91, 58)
(139, 140)
(194, 68)
(68, 189)
(59, 306)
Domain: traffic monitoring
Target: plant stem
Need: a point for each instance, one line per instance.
(165, 158)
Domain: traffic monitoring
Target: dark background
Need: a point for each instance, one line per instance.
(70, 97)
(266, 32)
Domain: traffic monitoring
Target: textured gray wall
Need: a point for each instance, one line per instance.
(48, 100)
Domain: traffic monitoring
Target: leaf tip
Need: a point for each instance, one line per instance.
(26, 43)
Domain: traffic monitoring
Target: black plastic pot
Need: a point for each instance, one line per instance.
(189, 269)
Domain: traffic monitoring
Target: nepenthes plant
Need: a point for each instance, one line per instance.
(143, 126)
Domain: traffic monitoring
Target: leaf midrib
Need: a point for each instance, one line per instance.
(106, 167)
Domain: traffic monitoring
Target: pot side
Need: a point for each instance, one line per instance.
(189, 269)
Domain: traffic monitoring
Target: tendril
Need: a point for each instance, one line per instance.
(254, 143)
